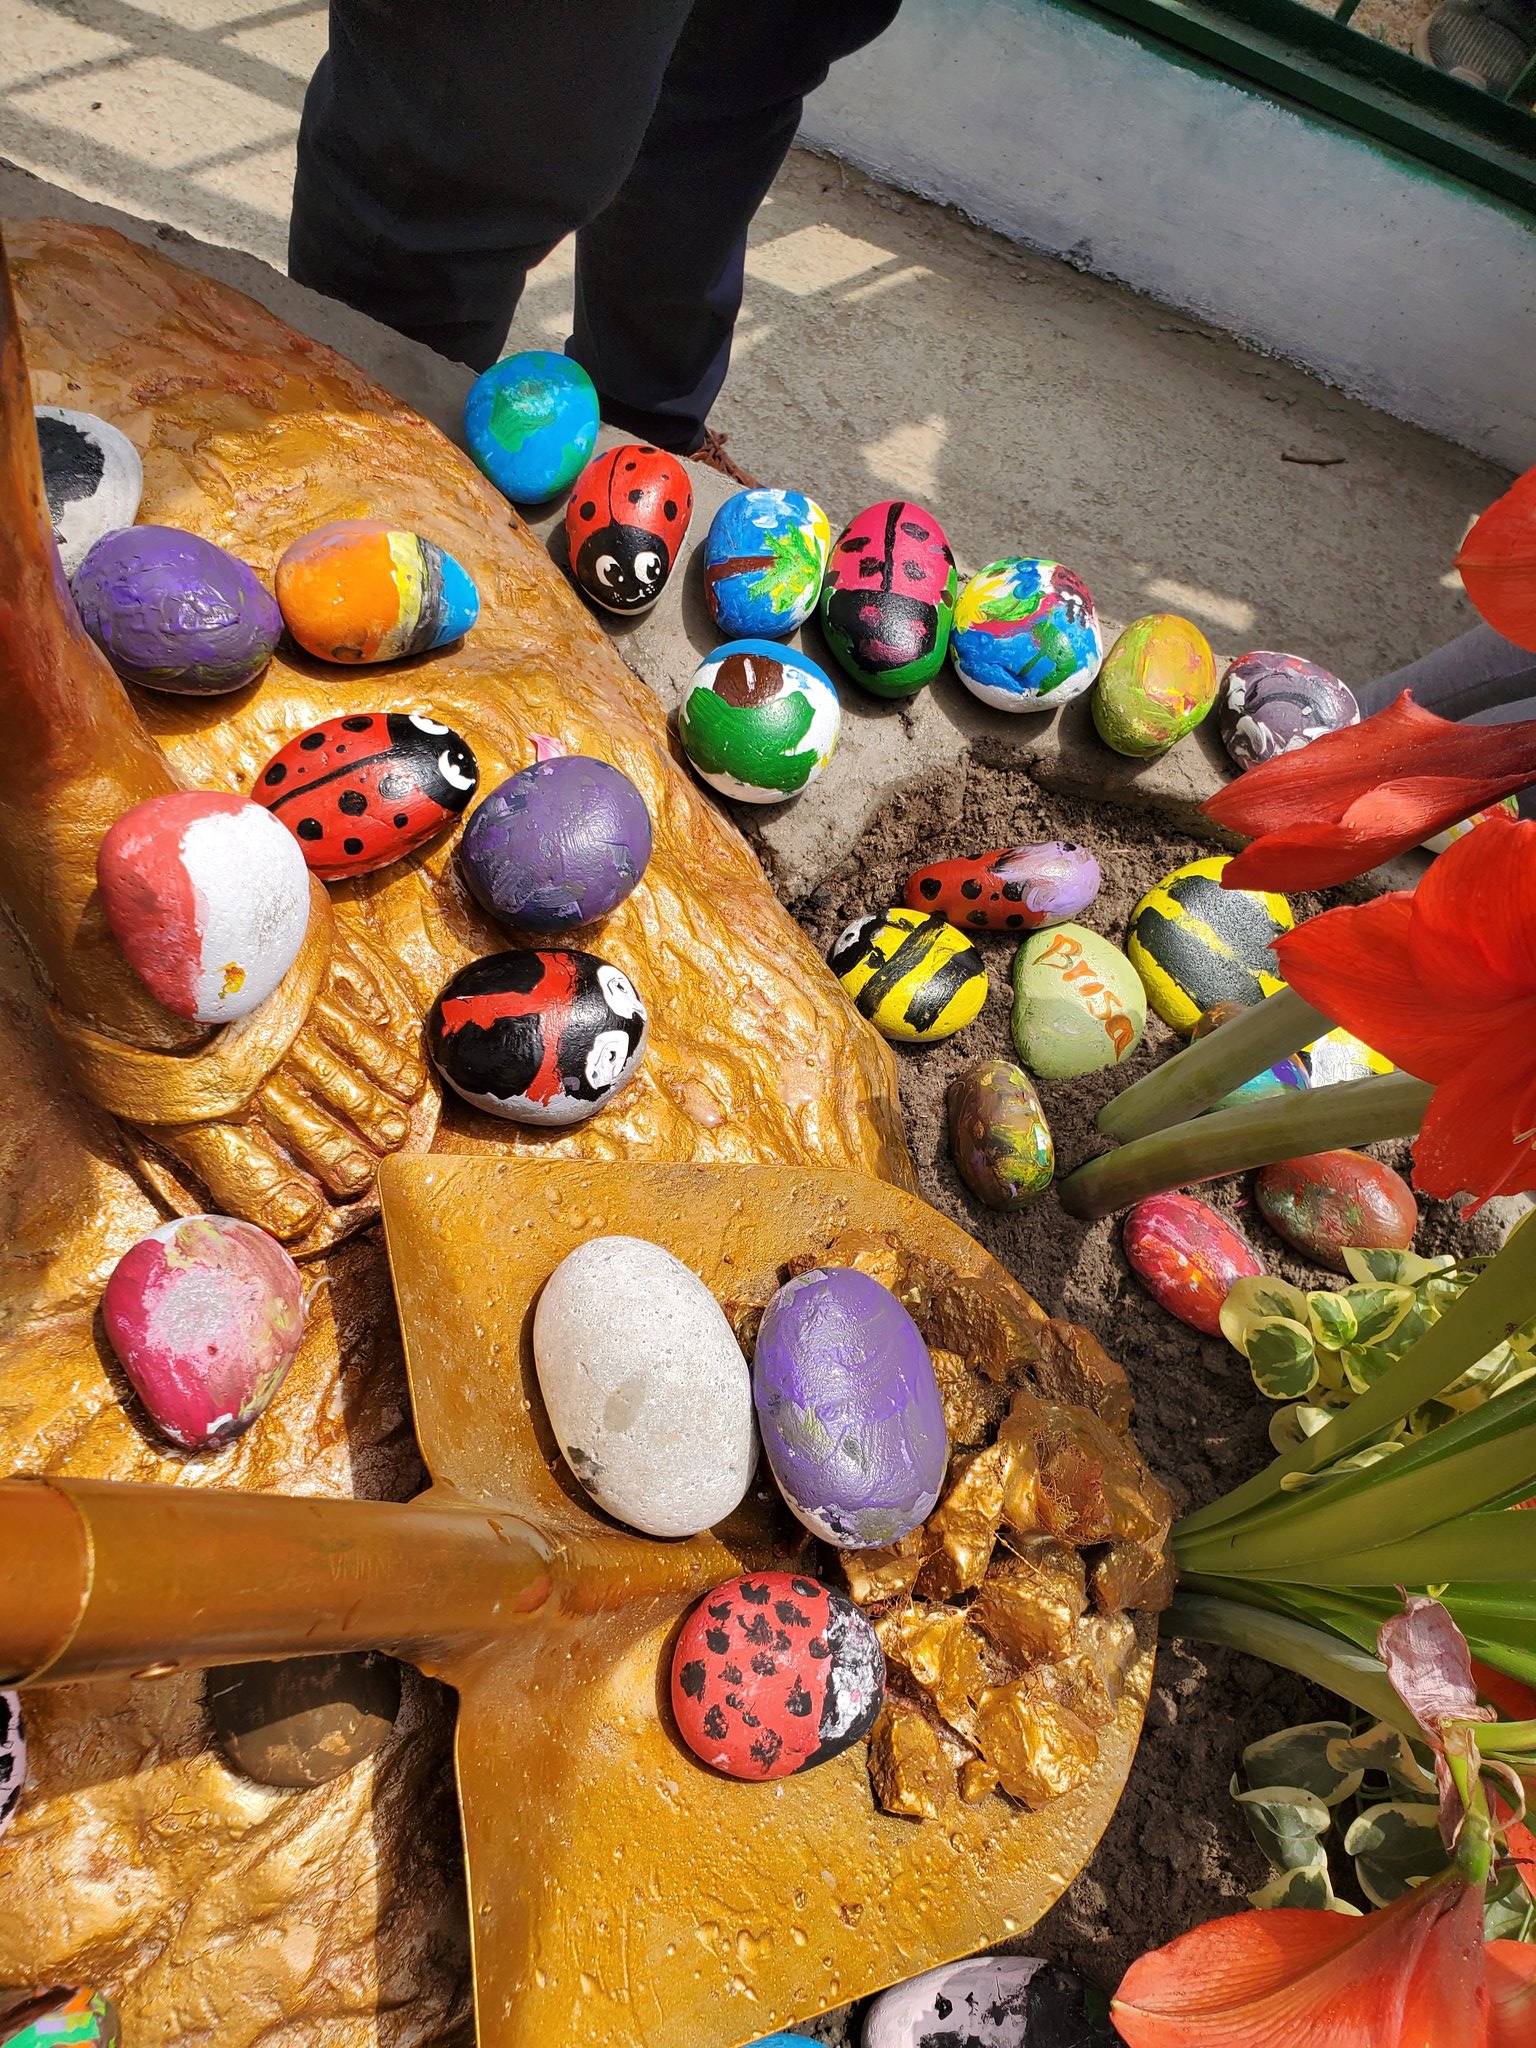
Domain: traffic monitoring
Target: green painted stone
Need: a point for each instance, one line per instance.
(1157, 683)
(1078, 1005)
(66, 2016)
(998, 1134)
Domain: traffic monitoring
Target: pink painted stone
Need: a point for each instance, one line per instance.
(205, 1314)
(1187, 1257)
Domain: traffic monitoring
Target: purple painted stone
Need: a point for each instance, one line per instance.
(173, 612)
(849, 1408)
(1271, 704)
(557, 844)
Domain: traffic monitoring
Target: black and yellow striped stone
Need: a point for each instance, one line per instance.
(912, 974)
(1195, 944)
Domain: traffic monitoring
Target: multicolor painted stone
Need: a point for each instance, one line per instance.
(1286, 1077)
(208, 896)
(361, 791)
(92, 476)
(911, 974)
(1271, 704)
(773, 1674)
(205, 1315)
(648, 1394)
(764, 557)
(888, 598)
(1507, 807)
(1340, 1056)
(361, 590)
(171, 611)
(1014, 888)
(625, 525)
(1026, 635)
(558, 844)
(1157, 683)
(303, 1721)
(68, 2016)
(530, 422)
(849, 1408)
(1326, 1201)
(986, 2002)
(538, 1037)
(1195, 944)
(13, 1756)
(760, 721)
(1187, 1257)
(1077, 1005)
(998, 1135)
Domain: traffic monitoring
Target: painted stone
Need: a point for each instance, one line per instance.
(1026, 635)
(1187, 1257)
(13, 1756)
(1507, 807)
(764, 557)
(987, 2002)
(849, 1408)
(360, 590)
(558, 844)
(361, 791)
(303, 1721)
(538, 1037)
(888, 598)
(67, 2016)
(92, 477)
(1195, 944)
(625, 525)
(648, 1394)
(1287, 1076)
(1014, 888)
(172, 612)
(911, 974)
(998, 1136)
(208, 896)
(205, 1315)
(530, 422)
(760, 721)
(1077, 1005)
(1326, 1201)
(1340, 1056)
(1271, 704)
(1157, 683)
(773, 1674)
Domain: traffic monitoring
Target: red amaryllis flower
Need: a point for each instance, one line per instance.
(1498, 562)
(1354, 798)
(1443, 983)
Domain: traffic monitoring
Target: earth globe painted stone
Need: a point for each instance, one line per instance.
(1195, 944)
(625, 525)
(13, 1756)
(1271, 704)
(764, 557)
(92, 477)
(1157, 683)
(560, 843)
(760, 721)
(362, 791)
(888, 598)
(539, 1037)
(172, 612)
(1506, 807)
(911, 974)
(360, 590)
(998, 1136)
(67, 2016)
(1026, 635)
(1014, 888)
(530, 422)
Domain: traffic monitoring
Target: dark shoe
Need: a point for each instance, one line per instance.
(711, 452)
(1486, 43)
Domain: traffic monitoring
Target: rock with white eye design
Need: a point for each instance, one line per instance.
(361, 791)
(92, 476)
(625, 525)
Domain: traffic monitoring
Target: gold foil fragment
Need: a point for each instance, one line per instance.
(972, 1406)
(935, 1649)
(978, 1780)
(1133, 1575)
(1093, 1487)
(1029, 1604)
(890, 1572)
(966, 1523)
(1073, 1681)
(869, 1251)
(1110, 1640)
(1021, 1431)
(1071, 1365)
(907, 1766)
(1039, 1748)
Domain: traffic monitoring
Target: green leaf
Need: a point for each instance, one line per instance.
(1395, 1845)
(1286, 1822)
(1282, 1358)
(1295, 1425)
(1301, 1757)
(1309, 1886)
(1509, 1913)
(1364, 1365)
(1255, 1300)
(1386, 1752)
(1332, 1318)
(1400, 1269)
(1378, 1310)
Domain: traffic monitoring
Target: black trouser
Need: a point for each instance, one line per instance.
(448, 145)
(1481, 677)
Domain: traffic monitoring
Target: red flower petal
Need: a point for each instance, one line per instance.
(1470, 1140)
(1514, 1700)
(1307, 857)
(1497, 561)
(1511, 1969)
(1474, 915)
(1355, 966)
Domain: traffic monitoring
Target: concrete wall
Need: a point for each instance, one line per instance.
(1060, 129)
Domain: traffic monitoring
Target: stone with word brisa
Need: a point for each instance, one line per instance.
(1077, 1003)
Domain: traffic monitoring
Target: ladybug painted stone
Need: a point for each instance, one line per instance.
(625, 525)
(888, 600)
(1012, 889)
(542, 1037)
(361, 791)
(773, 1673)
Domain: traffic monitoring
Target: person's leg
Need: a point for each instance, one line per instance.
(659, 272)
(1480, 678)
(445, 149)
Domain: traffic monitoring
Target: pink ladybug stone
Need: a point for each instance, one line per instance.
(205, 1315)
(1187, 1257)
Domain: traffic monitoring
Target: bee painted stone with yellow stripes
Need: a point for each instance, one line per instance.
(1195, 944)
(912, 974)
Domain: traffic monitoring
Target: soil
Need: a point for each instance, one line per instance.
(1178, 1851)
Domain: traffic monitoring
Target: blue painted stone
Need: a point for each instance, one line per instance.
(531, 424)
(764, 558)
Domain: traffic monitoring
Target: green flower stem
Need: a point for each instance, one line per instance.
(1473, 1549)
(1210, 1068)
(1505, 1738)
(1253, 1134)
(1313, 1652)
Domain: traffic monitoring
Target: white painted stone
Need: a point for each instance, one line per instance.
(93, 477)
(979, 2003)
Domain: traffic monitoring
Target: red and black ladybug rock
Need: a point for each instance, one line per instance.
(542, 1037)
(888, 600)
(625, 525)
(773, 1673)
(361, 791)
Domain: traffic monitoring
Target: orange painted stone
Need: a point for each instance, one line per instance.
(1327, 1201)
